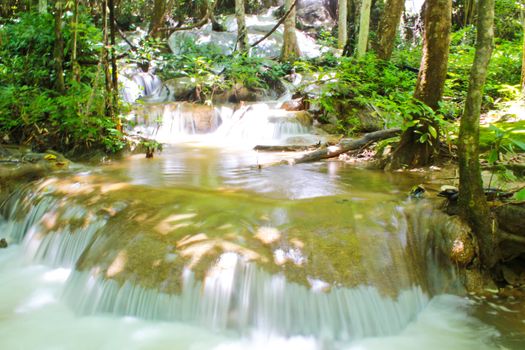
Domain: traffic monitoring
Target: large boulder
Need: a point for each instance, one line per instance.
(257, 25)
(313, 15)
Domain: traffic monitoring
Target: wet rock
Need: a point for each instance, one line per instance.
(294, 105)
(312, 15)
(3, 243)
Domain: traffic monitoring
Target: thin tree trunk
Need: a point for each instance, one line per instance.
(113, 57)
(388, 25)
(342, 23)
(429, 87)
(290, 49)
(59, 48)
(74, 60)
(472, 201)
(364, 27)
(160, 9)
(42, 6)
(105, 62)
(242, 32)
(523, 51)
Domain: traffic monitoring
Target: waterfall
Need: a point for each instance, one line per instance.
(242, 297)
(260, 123)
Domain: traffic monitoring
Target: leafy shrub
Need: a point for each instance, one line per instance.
(31, 110)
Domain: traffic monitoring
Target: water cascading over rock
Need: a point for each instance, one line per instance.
(170, 259)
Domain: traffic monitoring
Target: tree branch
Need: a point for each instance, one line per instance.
(283, 18)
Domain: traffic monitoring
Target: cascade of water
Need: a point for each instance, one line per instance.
(234, 294)
(139, 84)
(163, 122)
(240, 296)
(260, 124)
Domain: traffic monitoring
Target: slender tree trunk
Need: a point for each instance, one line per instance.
(290, 49)
(364, 26)
(342, 23)
(472, 201)
(110, 112)
(59, 48)
(523, 51)
(113, 58)
(160, 9)
(242, 32)
(74, 54)
(42, 6)
(388, 25)
(429, 87)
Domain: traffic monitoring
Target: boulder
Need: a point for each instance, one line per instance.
(3, 243)
(313, 15)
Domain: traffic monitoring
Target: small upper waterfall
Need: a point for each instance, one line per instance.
(247, 124)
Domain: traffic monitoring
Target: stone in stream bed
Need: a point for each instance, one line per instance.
(3, 243)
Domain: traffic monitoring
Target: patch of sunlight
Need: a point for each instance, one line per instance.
(318, 285)
(297, 243)
(117, 265)
(294, 255)
(113, 187)
(267, 234)
(189, 239)
(196, 251)
(169, 224)
(49, 220)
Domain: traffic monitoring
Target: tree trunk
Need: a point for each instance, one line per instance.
(364, 26)
(160, 9)
(74, 54)
(242, 32)
(472, 201)
(59, 48)
(523, 52)
(342, 22)
(42, 6)
(386, 34)
(108, 98)
(429, 87)
(290, 49)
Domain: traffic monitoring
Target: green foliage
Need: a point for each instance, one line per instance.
(345, 86)
(503, 75)
(31, 110)
(211, 71)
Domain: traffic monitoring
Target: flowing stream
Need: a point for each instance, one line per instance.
(198, 248)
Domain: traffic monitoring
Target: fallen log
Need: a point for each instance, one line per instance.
(346, 145)
(285, 148)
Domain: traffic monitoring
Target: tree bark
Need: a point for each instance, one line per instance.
(59, 48)
(110, 111)
(74, 53)
(160, 9)
(242, 32)
(388, 25)
(523, 51)
(429, 86)
(364, 26)
(290, 49)
(342, 23)
(472, 202)
(42, 6)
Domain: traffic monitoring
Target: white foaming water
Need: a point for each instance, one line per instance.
(259, 124)
(34, 316)
(246, 126)
(242, 297)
